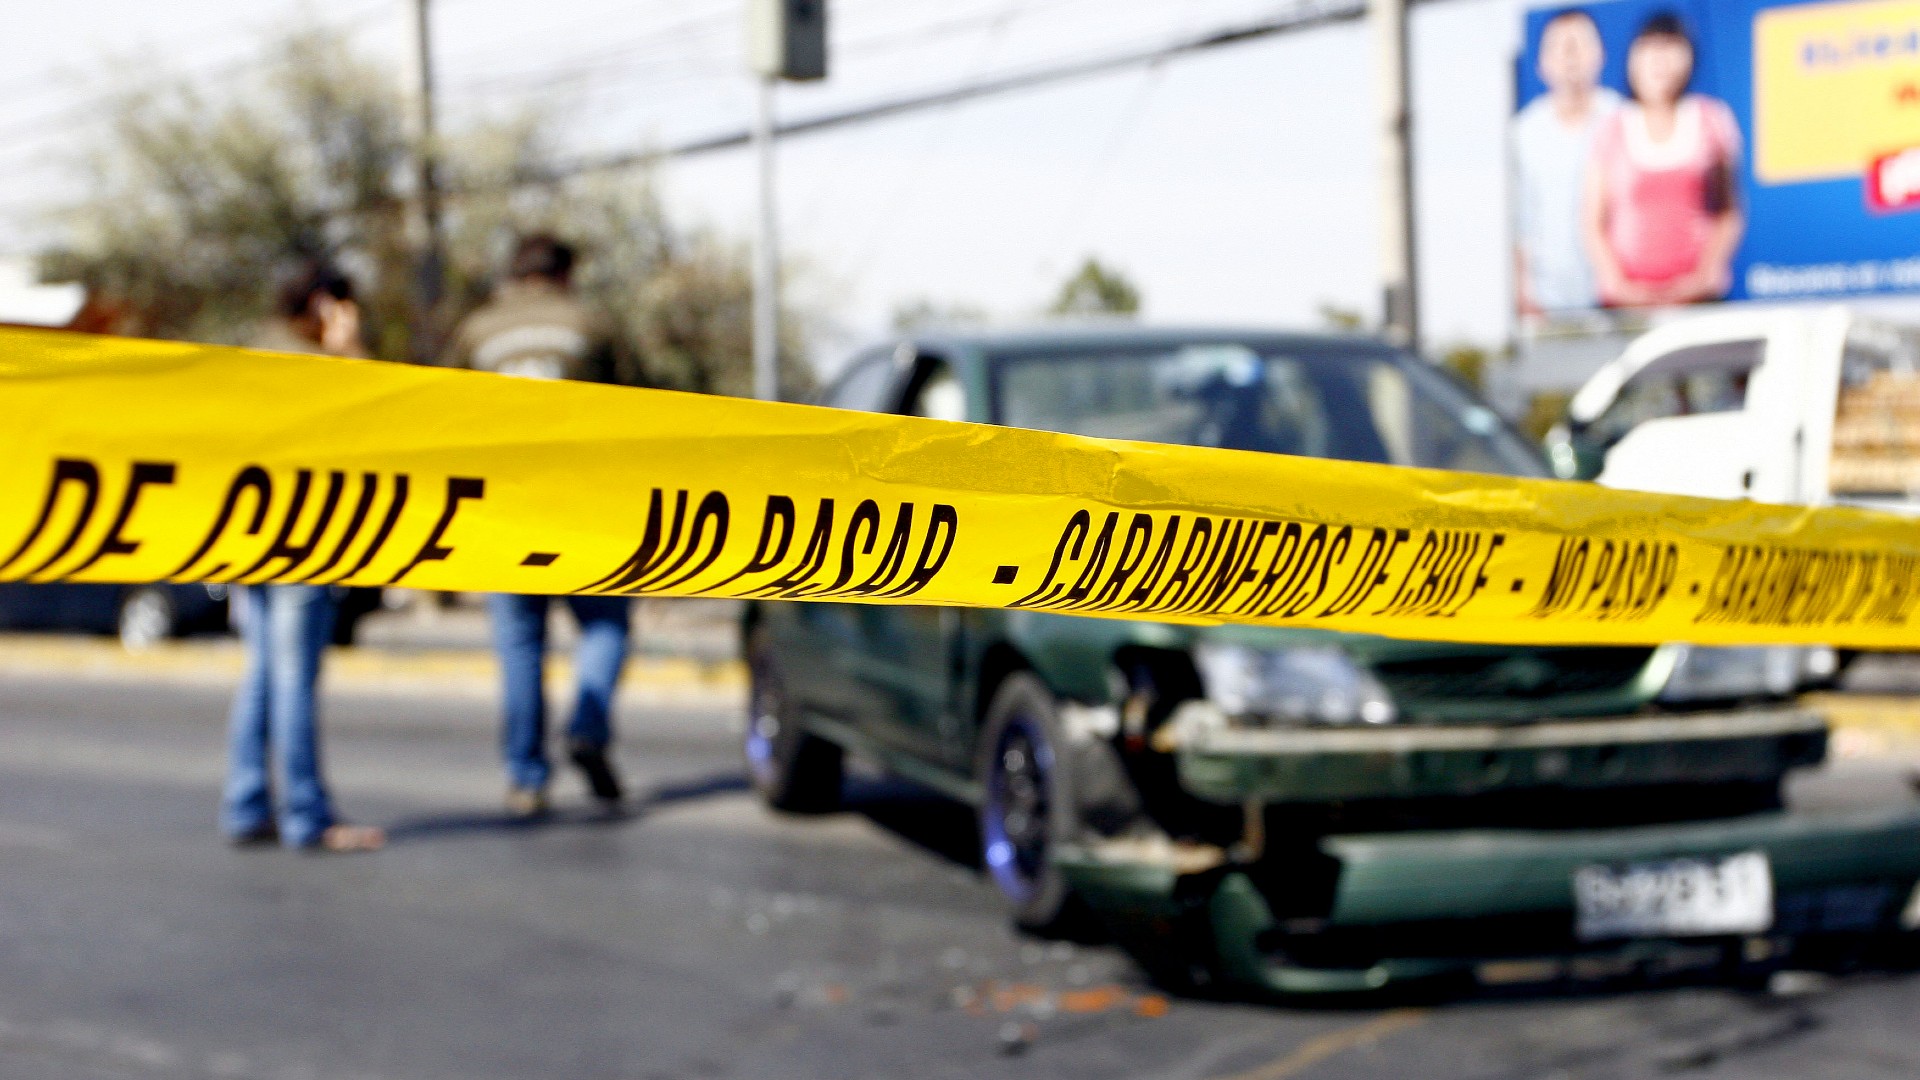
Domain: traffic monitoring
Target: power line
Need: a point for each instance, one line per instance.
(669, 40)
(1081, 203)
(893, 40)
(881, 223)
(1309, 16)
(524, 40)
(614, 65)
(65, 116)
(47, 81)
(644, 69)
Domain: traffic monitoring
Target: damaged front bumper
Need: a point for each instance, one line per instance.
(1386, 906)
(1411, 905)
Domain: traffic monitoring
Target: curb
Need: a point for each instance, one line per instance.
(1892, 716)
(355, 668)
(473, 671)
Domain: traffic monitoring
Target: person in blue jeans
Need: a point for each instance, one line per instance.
(534, 326)
(520, 637)
(285, 628)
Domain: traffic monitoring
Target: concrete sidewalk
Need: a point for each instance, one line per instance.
(686, 653)
(447, 671)
(388, 662)
(683, 653)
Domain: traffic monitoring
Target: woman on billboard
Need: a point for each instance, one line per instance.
(1661, 217)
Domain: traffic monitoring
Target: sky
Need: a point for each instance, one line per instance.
(1237, 186)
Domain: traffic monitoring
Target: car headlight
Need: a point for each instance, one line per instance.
(1306, 685)
(1701, 673)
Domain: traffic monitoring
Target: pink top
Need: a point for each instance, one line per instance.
(1656, 193)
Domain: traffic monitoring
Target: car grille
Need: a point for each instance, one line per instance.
(1531, 674)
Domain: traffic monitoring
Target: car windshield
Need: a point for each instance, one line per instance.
(1333, 401)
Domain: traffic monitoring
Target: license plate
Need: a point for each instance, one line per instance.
(1678, 898)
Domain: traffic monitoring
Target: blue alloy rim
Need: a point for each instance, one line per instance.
(1016, 821)
(763, 727)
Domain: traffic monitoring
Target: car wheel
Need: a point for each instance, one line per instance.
(1027, 808)
(146, 619)
(790, 768)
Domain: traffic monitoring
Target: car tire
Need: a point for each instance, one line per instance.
(790, 768)
(147, 617)
(1027, 803)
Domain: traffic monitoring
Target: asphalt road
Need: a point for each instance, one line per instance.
(697, 937)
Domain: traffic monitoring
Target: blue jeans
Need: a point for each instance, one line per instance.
(285, 628)
(520, 637)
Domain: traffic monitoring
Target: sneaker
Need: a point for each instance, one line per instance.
(525, 804)
(257, 836)
(593, 764)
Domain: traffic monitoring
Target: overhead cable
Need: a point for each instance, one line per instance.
(1302, 17)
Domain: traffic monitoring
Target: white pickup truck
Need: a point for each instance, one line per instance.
(1809, 406)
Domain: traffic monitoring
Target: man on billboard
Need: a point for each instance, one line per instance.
(1661, 216)
(1552, 137)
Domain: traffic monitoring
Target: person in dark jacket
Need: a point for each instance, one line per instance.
(534, 327)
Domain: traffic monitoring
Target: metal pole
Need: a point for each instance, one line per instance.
(1400, 294)
(766, 253)
(433, 260)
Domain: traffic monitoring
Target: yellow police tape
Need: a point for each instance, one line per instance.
(129, 461)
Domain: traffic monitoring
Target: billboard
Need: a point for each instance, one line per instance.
(1687, 151)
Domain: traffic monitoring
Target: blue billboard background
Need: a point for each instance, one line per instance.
(1802, 240)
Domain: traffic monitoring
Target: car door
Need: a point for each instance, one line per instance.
(823, 647)
(1698, 413)
(912, 655)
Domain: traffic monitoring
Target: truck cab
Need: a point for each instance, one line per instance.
(1804, 406)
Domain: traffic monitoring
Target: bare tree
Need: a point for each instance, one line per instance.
(192, 204)
(193, 200)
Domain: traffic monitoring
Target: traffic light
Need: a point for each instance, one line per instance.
(787, 39)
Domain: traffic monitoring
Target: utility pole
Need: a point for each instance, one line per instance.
(766, 250)
(1400, 293)
(433, 260)
(786, 39)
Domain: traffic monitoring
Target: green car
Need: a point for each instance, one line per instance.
(1302, 811)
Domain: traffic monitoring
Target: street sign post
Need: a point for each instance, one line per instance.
(786, 39)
